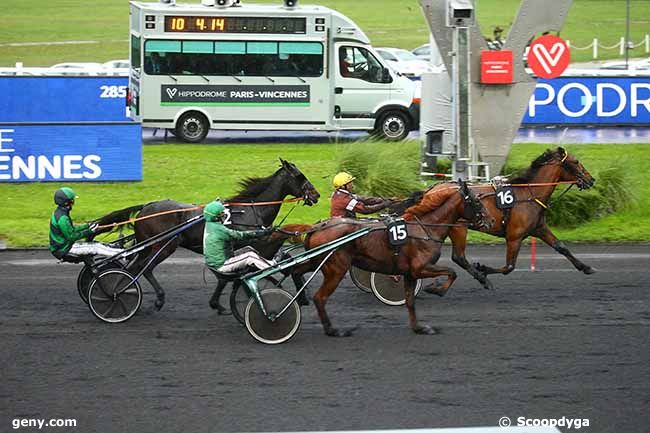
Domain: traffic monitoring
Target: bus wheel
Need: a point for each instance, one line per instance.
(393, 126)
(192, 127)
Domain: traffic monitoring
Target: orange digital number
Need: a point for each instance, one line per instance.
(200, 23)
(218, 24)
(178, 23)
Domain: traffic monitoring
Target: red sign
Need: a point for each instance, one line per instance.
(548, 56)
(496, 67)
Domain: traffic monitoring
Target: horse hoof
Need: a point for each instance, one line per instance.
(589, 270)
(159, 304)
(434, 290)
(487, 284)
(223, 311)
(425, 330)
(340, 332)
(302, 301)
(479, 267)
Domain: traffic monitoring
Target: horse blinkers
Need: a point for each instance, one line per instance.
(583, 179)
(306, 189)
(474, 205)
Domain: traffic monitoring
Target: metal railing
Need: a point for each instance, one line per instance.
(595, 45)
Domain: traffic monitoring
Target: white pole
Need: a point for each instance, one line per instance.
(595, 42)
(622, 43)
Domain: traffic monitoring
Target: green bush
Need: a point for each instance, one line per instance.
(382, 168)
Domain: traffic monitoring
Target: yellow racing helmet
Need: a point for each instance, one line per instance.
(341, 179)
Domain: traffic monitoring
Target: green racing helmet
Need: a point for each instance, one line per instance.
(213, 210)
(64, 196)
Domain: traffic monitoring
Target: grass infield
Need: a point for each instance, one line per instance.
(98, 31)
(200, 173)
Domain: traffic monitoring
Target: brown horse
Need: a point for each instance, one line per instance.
(526, 218)
(415, 259)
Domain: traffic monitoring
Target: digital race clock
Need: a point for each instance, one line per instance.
(211, 24)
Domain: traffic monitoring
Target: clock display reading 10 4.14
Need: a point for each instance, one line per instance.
(207, 24)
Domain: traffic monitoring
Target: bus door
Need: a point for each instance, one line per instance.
(361, 85)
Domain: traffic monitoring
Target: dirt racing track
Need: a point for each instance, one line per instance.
(547, 344)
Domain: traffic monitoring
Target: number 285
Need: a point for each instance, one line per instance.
(113, 92)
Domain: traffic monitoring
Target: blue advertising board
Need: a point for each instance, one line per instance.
(63, 99)
(590, 101)
(77, 153)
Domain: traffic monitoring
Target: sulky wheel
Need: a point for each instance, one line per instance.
(114, 296)
(239, 297)
(269, 331)
(86, 277)
(389, 289)
(361, 279)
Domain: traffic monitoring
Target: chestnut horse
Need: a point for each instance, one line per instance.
(526, 218)
(415, 259)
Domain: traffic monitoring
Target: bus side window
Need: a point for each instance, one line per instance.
(154, 64)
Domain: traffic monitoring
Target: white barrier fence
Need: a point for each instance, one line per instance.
(20, 70)
(595, 45)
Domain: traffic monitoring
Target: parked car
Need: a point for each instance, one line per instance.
(73, 68)
(405, 62)
(112, 68)
(117, 64)
(423, 52)
(73, 65)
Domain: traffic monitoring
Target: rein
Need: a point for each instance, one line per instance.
(564, 182)
(199, 207)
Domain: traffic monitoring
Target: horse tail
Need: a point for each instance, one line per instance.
(118, 216)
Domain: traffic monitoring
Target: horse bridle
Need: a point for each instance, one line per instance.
(298, 176)
(571, 167)
(474, 204)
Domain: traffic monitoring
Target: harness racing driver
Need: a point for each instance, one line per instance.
(346, 204)
(216, 243)
(64, 234)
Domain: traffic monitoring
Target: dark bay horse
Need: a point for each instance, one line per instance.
(288, 180)
(373, 253)
(526, 218)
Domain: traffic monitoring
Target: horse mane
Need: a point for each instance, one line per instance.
(252, 187)
(527, 175)
(401, 206)
(432, 199)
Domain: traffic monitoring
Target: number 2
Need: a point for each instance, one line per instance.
(226, 220)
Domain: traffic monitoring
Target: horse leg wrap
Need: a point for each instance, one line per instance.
(560, 248)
